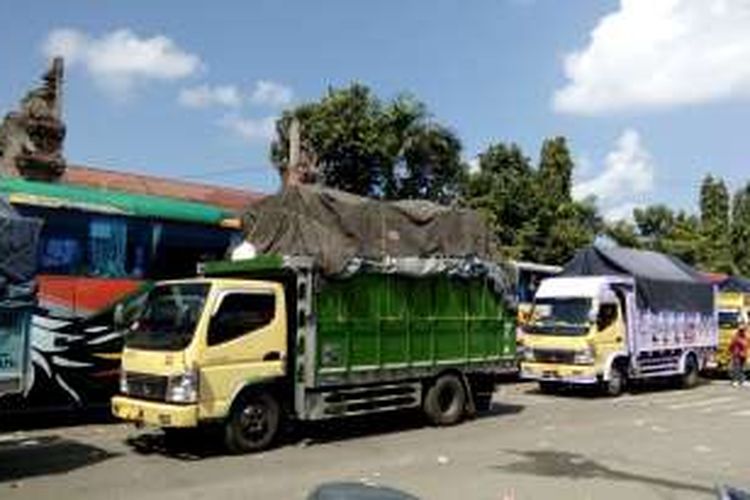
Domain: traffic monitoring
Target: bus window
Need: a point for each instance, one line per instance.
(62, 245)
(107, 246)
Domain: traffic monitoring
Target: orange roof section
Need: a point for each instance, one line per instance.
(233, 199)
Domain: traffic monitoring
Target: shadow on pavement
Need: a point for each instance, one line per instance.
(41, 456)
(53, 418)
(206, 443)
(646, 386)
(550, 463)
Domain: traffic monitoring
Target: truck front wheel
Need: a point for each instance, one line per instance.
(252, 424)
(445, 402)
(616, 383)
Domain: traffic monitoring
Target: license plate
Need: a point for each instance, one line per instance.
(550, 374)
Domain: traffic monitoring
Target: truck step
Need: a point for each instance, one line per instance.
(662, 365)
(361, 400)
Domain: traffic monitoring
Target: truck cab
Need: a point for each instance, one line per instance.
(734, 310)
(194, 348)
(578, 332)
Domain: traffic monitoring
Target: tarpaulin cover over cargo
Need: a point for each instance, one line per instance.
(336, 228)
(734, 284)
(18, 255)
(663, 282)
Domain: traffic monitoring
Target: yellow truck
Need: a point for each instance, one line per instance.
(618, 315)
(734, 310)
(254, 343)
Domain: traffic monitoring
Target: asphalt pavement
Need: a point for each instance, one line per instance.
(655, 443)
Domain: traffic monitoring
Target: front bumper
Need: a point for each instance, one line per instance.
(569, 374)
(154, 413)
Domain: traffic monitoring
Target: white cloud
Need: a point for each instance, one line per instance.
(251, 129)
(622, 212)
(204, 96)
(268, 93)
(628, 173)
(474, 167)
(121, 60)
(660, 53)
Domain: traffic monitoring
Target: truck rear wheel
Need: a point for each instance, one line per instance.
(445, 402)
(252, 424)
(689, 377)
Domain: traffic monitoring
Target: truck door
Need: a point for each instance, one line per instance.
(246, 342)
(626, 299)
(610, 326)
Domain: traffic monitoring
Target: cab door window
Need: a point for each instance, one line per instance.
(607, 316)
(239, 314)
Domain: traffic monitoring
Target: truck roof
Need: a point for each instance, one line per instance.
(578, 286)
(663, 282)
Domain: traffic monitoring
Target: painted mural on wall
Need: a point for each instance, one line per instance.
(75, 348)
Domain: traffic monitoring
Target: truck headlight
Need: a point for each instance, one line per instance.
(183, 388)
(585, 357)
(123, 381)
(528, 353)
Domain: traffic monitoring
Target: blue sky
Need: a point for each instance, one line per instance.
(652, 95)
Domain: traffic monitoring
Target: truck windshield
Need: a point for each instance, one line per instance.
(729, 318)
(169, 317)
(560, 316)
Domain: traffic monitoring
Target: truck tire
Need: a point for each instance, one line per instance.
(548, 387)
(252, 424)
(615, 386)
(445, 402)
(689, 378)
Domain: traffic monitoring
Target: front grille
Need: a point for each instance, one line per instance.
(143, 386)
(562, 356)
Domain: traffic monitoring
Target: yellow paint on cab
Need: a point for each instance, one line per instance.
(605, 344)
(223, 369)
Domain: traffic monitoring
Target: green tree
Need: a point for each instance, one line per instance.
(555, 171)
(740, 230)
(715, 254)
(654, 222)
(369, 147)
(570, 227)
(684, 238)
(503, 188)
(663, 230)
(562, 225)
(623, 233)
(531, 209)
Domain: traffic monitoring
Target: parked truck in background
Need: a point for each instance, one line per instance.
(618, 315)
(257, 342)
(18, 253)
(734, 310)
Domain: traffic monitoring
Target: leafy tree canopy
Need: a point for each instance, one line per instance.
(371, 147)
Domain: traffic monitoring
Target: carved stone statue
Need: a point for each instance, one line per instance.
(302, 167)
(31, 139)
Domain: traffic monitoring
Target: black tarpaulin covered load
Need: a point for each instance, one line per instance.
(18, 255)
(663, 282)
(336, 228)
